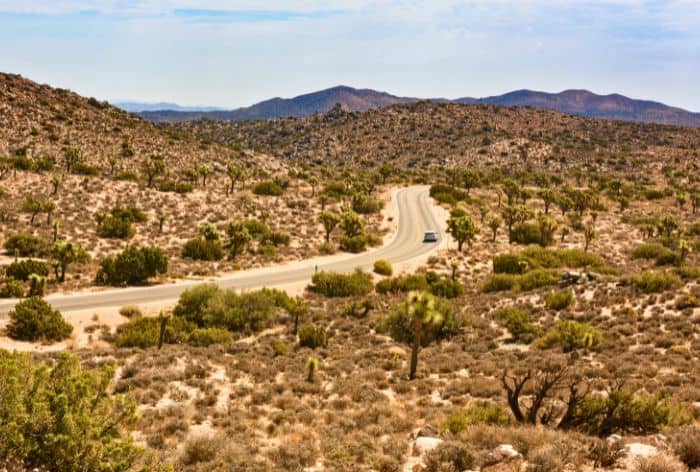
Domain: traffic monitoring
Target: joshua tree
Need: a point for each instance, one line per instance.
(162, 217)
(64, 254)
(163, 318)
(204, 171)
(470, 180)
(37, 285)
(56, 226)
(463, 229)
(239, 237)
(330, 221)
(49, 208)
(547, 226)
(668, 225)
(684, 249)
(311, 368)
(235, 174)
(298, 309)
(514, 214)
(351, 223)
(589, 234)
(422, 312)
(494, 224)
(152, 168)
(385, 172)
(56, 182)
(548, 197)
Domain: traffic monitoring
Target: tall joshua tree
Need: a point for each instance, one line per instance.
(422, 313)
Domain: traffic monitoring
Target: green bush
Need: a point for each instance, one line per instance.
(279, 347)
(81, 168)
(399, 324)
(268, 187)
(538, 278)
(519, 324)
(183, 187)
(571, 335)
(132, 266)
(144, 332)
(11, 288)
(277, 238)
(559, 300)
(500, 283)
(21, 270)
(403, 284)
(383, 267)
(625, 411)
(201, 249)
(652, 282)
(660, 253)
(313, 336)
(26, 245)
(478, 413)
(208, 336)
(447, 194)
(526, 233)
(333, 284)
(257, 229)
(209, 306)
(112, 227)
(63, 418)
(446, 288)
(541, 258)
(35, 320)
(354, 244)
(365, 205)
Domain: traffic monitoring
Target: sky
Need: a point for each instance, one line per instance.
(233, 53)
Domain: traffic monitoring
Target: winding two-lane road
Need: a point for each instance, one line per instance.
(416, 214)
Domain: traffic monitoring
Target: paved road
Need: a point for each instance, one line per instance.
(416, 215)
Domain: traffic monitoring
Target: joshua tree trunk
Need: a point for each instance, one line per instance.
(414, 352)
(163, 324)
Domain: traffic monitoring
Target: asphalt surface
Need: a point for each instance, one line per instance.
(415, 216)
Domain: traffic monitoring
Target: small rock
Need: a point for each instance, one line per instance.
(427, 430)
(640, 450)
(425, 444)
(503, 453)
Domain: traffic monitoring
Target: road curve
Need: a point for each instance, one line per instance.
(415, 216)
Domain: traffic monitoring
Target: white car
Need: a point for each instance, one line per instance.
(430, 236)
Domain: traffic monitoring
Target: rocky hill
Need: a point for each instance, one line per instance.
(573, 102)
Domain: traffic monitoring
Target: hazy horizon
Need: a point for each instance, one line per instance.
(230, 54)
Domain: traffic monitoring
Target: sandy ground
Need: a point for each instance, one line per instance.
(109, 317)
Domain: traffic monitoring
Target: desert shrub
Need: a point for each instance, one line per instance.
(447, 194)
(82, 168)
(26, 245)
(687, 272)
(201, 249)
(257, 229)
(63, 418)
(519, 324)
(648, 251)
(449, 456)
(279, 348)
(268, 187)
(209, 336)
(277, 238)
(542, 258)
(333, 284)
(571, 335)
(446, 288)
(144, 332)
(658, 463)
(127, 176)
(193, 302)
(130, 311)
(132, 266)
(183, 187)
(686, 301)
(21, 270)
(625, 411)
(209, 306)
(313, 336)
(11, 288)
(538, 278)
(328, 248)
(354, 244)
(477, 413)
(405, 283)
(383, 267)
(526, 233)
(35, 320)
(559, 299)
(652, 282)
(113, 227)
(686, 444)
(500, 283)
(365, 204)
(398, 323)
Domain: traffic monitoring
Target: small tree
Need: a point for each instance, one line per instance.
(351, 223)
(547, 227)
(548, 197)
(589, 234)
(297, 309)
(330, 221)
(421, 309)
(238, 238)
(64, 254)
(152, 168)
(494, 224)
(33, 320)
(463, 229)
(235, 174)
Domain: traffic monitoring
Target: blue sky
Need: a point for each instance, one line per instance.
(236, 52)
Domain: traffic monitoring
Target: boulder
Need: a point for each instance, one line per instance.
(503, 453)
(425, 444)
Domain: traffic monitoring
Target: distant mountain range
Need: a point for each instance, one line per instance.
(139, 107)
(574, 102)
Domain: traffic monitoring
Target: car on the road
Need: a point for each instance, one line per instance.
(430, 236)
